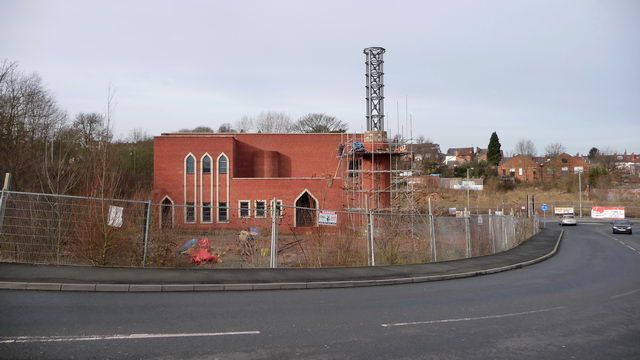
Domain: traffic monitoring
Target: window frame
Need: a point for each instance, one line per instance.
(278, 201)
(206, 205)
(193, 164)
(190, 205)
(224, 170)
(203, 168)
(264, 209)
(248, 209)
(226, 212)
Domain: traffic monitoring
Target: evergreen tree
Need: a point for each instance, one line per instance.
(493, 152)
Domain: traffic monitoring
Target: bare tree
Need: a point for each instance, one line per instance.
(525, 147)
(29, 117)
(91, 128)
(273, 122)
(138, 135)
(319, 123)
(554, 149)
(245, 124)
(225, 128)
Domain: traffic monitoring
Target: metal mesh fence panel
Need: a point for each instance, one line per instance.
(481, 239)
(174, 232)
(401, 238)
(55, 229)
(328, 245)
(451, 242)
(43, 228)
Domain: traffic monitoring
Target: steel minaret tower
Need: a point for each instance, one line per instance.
(375, 88)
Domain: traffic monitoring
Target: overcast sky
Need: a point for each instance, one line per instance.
(549, 71)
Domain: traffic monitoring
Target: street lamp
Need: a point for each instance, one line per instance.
(580, 190)
(468, 188)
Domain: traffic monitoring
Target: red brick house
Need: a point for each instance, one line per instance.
(530, 169)
(564, 164)
(521, 167)
(228, 180)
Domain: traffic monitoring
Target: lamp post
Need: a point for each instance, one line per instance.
(580, 190)
(468, 188)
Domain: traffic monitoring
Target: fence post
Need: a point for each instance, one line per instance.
(370, 234)
(147, 217)
(467, 233)
(432, 231)
(4, 195)
(2, 201)
(504, 231)
(275, 213)
(492, 233)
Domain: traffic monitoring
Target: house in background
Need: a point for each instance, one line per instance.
(531, 169)
(564, 164)
(459, 156)
(523, 168)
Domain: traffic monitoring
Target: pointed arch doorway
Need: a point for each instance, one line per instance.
(166, 214)
(305, 215)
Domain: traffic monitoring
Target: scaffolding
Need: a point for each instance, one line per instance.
(368, 183)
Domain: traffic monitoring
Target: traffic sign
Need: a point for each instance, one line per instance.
(544, 207)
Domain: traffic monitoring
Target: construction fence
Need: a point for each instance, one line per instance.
(60, 229)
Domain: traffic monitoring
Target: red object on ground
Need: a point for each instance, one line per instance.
(202, 252)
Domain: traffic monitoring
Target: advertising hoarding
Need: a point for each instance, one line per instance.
(607, 212)
(563, 210)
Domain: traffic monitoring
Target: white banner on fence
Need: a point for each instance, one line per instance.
(607, 212)
(115, 216)
(327, 217)
(468, 185)
(563, 210)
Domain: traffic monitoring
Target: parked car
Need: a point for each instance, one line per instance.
(568, 219)
(621, 227)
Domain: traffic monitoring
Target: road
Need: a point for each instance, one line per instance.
(583, 303)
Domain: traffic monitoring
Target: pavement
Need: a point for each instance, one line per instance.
(84, 278)
(582, 303)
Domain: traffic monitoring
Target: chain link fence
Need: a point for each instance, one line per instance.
(58, 229)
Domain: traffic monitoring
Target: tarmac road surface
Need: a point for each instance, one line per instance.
(583, 303)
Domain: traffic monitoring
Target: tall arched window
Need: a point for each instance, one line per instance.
(222, 165)
(190, 164)
(206, 164)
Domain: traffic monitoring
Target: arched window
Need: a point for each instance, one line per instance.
(190, 164)
(206, 164)
(222, 164)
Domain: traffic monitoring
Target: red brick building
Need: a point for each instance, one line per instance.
(564, 164)
(529, 169)
(223, 180)
(521, 167)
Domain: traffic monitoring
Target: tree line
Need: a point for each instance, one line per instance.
(46, 150)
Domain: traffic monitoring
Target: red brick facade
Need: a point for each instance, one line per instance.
(296, 169)
(527, 169)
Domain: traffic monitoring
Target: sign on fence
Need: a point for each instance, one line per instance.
(327, 217)
(115, 216)
(468, 185)
(563, 210)
(607, 212)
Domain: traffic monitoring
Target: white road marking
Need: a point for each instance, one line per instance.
(443, 321)
(31, 339)
(623, 244)
(625, 294)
